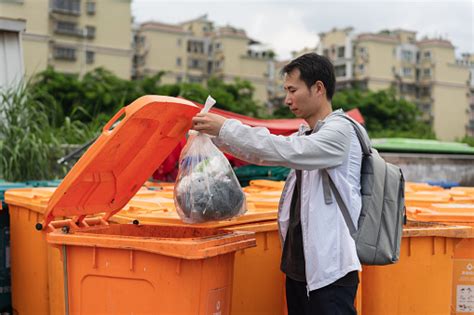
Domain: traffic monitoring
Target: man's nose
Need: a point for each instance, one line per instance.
(288, 100)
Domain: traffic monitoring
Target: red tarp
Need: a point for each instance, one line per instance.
(169, 169)
(278, 126)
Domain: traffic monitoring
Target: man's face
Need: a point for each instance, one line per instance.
(301, 100)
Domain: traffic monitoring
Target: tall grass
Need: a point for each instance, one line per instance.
(32, 131)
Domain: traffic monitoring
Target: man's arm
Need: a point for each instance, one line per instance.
(324, 149)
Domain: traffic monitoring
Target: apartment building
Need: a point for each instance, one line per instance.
(424, 72)
(193, 51)
(467, 61)
(74, 36)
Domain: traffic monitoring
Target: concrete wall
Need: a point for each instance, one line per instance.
(434, 167)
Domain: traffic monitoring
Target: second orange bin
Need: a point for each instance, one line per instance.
(258, 283)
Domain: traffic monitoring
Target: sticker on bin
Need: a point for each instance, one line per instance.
(465, 299)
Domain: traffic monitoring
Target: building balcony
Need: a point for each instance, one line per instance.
(64, 53)
(68, 7)
(470, 125)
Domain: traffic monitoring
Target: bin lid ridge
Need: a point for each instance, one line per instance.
(122, 158)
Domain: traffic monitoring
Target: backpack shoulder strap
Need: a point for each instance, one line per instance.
(361, 134)
(342, 205)
(328, 184)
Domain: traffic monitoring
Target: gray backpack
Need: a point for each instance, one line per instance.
(379, 229)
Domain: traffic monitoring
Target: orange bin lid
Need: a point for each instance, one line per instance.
(443, 212)
(114, 168)
(34, 199)
(161, 211)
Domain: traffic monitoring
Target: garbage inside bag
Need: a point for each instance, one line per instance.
(206, 188)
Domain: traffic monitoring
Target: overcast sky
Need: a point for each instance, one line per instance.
(292, 25)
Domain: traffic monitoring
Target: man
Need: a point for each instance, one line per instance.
(319, 255)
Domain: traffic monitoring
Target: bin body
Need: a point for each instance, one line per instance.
(148, 283)
(131, 146)
(258, 283)
(420, 283)
(36, 267)
(135, 269)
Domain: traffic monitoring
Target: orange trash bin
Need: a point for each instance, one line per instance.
(426, 198)
(142, 269)
(35, 267)
(134, 268)
(258, 283)
(420, 283)
(463, 271)
(106, 177)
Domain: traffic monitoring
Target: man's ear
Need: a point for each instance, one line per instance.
(319, 88)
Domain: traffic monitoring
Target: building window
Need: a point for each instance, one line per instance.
(64, 53)
(90, 57)
(340, 52)
(218, 46)
(426, 107)
(340, 70)
(178, 42)
(179, 79)
(425, 92)
(407, 55)
(427, 72)
(407, 88)
(195, 47)
(194, 79)
(67, 6)
(209, 67)
(427, 54)
(361, 68)
(141, 40)
(326, 52)
(178, 61)
(407, 72)
(90, 7)
(362, 50)
(90, 31)
(193, 63)
(217, 64)
(68, 28)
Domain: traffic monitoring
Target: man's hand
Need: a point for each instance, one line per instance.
(208, 123)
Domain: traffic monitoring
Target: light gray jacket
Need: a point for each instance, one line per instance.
(329, 249)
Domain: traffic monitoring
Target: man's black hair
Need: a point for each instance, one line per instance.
(314, 67)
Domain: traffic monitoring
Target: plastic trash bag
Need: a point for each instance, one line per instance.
(206, 188)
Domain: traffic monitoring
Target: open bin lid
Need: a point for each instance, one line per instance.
(127, 152)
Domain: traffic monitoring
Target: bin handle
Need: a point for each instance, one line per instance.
(114, 119)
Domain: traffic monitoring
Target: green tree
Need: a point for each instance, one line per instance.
(385, 115)
(236, 97)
